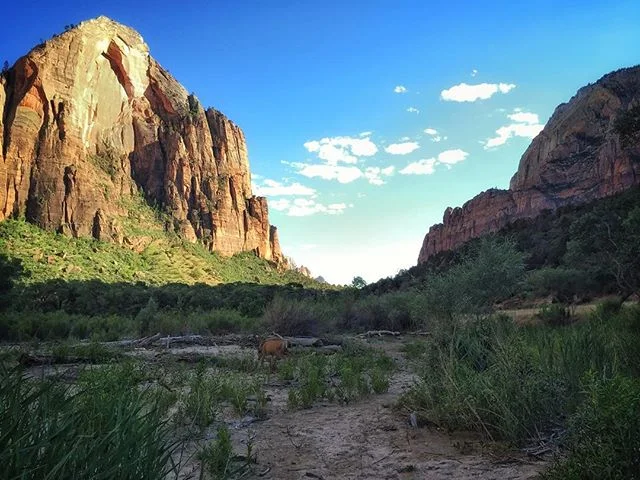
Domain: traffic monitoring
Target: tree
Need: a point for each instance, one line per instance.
(358, 282)
(490, 272)
(607, 244)
(627, 125)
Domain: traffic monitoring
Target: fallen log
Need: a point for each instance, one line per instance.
(378, 333)
(304, 341)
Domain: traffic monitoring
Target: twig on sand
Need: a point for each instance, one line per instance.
(313, 475)
(386, 456)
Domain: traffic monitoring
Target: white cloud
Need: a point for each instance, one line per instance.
(474, 72)
(341, 149)
(525, 124)
(329, 172)
(433, 133)
(402, 148)
(365, 134)
(375, 174)
(400, 89)
(303, 207)
(413, 110)
(279, 204)
(273, 188)
(405, 139)
(464, 92)
(426, 166)
(524, 117)
(451, 157)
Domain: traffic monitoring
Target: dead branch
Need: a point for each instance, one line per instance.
(378, 333)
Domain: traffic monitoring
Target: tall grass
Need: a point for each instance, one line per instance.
(105, 428)
(517, 383)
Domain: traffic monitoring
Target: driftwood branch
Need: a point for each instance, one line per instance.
(378, 333)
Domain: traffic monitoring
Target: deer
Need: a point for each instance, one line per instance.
(274, 348)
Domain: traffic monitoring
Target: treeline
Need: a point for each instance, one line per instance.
(58, 309)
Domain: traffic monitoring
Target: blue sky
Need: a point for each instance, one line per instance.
(358, 126)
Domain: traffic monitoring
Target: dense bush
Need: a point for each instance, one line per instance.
(604, 432)
(515, 383)
(107, 428)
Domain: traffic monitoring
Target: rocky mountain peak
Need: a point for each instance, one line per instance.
(90, 120)
(578, 157)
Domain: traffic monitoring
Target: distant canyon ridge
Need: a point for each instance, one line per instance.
(91, 122)
(578, 157)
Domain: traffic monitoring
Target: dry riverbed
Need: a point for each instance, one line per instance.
(365, 439)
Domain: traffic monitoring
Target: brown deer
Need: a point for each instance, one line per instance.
(274, 348)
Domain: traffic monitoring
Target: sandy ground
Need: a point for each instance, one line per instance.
(367, 439)
(370, 440)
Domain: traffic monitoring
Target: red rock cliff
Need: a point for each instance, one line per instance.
(575, 159)
(89, 119)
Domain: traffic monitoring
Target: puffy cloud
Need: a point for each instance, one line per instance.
(464, 92)
(400, 89)
(273, 188)
(524, 117)
(525, 124)
(451, 157)
(329, 172)
(413, 110)
(341, 149)
(402, 148)
(426, 166)
(375, 174)
(474, 72)
(433, 133)
(303, 207)
(365, 134)
(279, 204)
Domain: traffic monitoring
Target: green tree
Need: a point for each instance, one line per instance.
(358, 282)
(605, 245)
(490, 272)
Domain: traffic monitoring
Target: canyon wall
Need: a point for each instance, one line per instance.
(578, 157)
(89, 120)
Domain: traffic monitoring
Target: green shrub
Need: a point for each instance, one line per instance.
(604, 433)
(217, 456)
(290, 317)
(554, 314)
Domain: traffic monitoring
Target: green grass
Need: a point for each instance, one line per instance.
(163, 258)
(521, 383)
(210, 390)
(103, 428)
(344, 377)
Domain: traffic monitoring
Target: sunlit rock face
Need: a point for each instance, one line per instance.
(90, 119)
(575, 159)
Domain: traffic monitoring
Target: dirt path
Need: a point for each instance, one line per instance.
(369, 440)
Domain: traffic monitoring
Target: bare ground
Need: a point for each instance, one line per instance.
(370, 440)
(367, 439)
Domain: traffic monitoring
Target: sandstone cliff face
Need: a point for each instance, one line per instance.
(575, 159)
(89, 119)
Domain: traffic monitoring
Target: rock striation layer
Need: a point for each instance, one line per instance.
(89, 120)
(578, 157)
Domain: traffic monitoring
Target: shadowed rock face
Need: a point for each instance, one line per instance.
(89, 119)
(576, 158)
